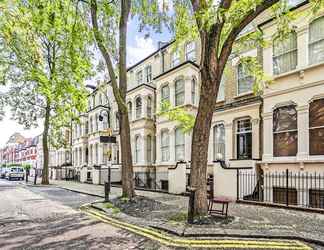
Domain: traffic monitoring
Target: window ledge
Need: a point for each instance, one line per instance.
(298, 70)
(243, 94)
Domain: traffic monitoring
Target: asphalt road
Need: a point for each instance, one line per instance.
(48, 218)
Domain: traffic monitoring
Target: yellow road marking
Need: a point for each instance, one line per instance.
(177, 242)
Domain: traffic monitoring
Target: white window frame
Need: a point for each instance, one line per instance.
(165, 148)
(179, 146)
(175, 58)
(138, 108)
(191, 54)
(219, 147)
(245, 77)
(178, 93)
(312, 43)
(148, 73)
(242, 132)
(137, 148)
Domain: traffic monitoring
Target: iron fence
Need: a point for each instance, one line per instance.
(300, 189)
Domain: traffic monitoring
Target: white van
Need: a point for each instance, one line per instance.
(15, 173)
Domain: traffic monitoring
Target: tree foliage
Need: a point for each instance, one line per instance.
(46, 62)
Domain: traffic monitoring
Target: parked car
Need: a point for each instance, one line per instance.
(15, 173)
(3, 172)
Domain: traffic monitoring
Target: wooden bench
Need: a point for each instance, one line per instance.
(216, 200)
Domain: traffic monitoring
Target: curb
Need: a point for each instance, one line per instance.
(219, 235)
(81, 192)
(168, 240)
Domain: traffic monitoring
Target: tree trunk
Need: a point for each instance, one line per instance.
(45, 179)
(126, 151)
(200, 141)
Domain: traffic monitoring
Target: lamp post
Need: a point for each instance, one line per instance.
(106, 139)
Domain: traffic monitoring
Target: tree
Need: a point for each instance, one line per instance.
(109, 24)
(47, 63)
(218, 26)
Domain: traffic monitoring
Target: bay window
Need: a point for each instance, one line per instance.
(285, 131)
(285, 54)
(165, 94)
(138, 103)
(316, 127)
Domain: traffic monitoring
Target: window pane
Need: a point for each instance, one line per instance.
(148, 73)
(219, 142)
(285, 118)
(244, 146)
(244, 125)
(138, 108)
(286, 45)
(285, 62)
(191, 51)
(165, 93)
(316, 141)
(179, 145)
(316, 113)
(245, 81)
(316, 41)
(179, 92)
(285, 144)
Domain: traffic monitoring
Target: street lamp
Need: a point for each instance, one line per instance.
(106, 139)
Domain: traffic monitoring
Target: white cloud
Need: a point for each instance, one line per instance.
(142, 48)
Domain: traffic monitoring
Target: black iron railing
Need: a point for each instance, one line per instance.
(300, 189)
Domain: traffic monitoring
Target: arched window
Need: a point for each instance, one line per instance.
(149, 149)
(165, 145)
(137, 148)
(244, 80)
(285, 131)
(138, 107)
(219, 142)
(244, 139)
(149, 107)
(316, 41)
(165, 94)
(179, 92)
(191, 51)
(316, 127)
(129, 105)
(285, 54)
(179, 145)
(193, 91)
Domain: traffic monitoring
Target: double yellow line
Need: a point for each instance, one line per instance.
(194, 243)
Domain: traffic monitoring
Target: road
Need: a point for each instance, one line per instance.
(48, 218)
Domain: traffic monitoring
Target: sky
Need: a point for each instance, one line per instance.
(138, 47)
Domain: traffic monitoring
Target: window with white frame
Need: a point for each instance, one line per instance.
(165, 146)
(285, 131)
(219, 142)
(316, 41)
(179, 144)
(148, 73)
(165, 94)
(244, 80)
(149, 148)
(179, 92)
(129, 106)
(285, 54)
(139, 77)
(221, 90)
(149, 107)
(175, 58)
(138, 103)
(191, 51)
(244, 139)
(193, 91)
(96, 123)
(137, 148)
(316, 127)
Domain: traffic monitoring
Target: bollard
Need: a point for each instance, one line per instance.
(191, 205)
(35, 178)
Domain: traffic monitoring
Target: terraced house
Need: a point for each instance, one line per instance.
(262, 147)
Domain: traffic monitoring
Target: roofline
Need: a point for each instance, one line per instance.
(176, 67)
(291, 9)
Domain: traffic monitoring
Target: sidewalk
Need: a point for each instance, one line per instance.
(243, 220)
